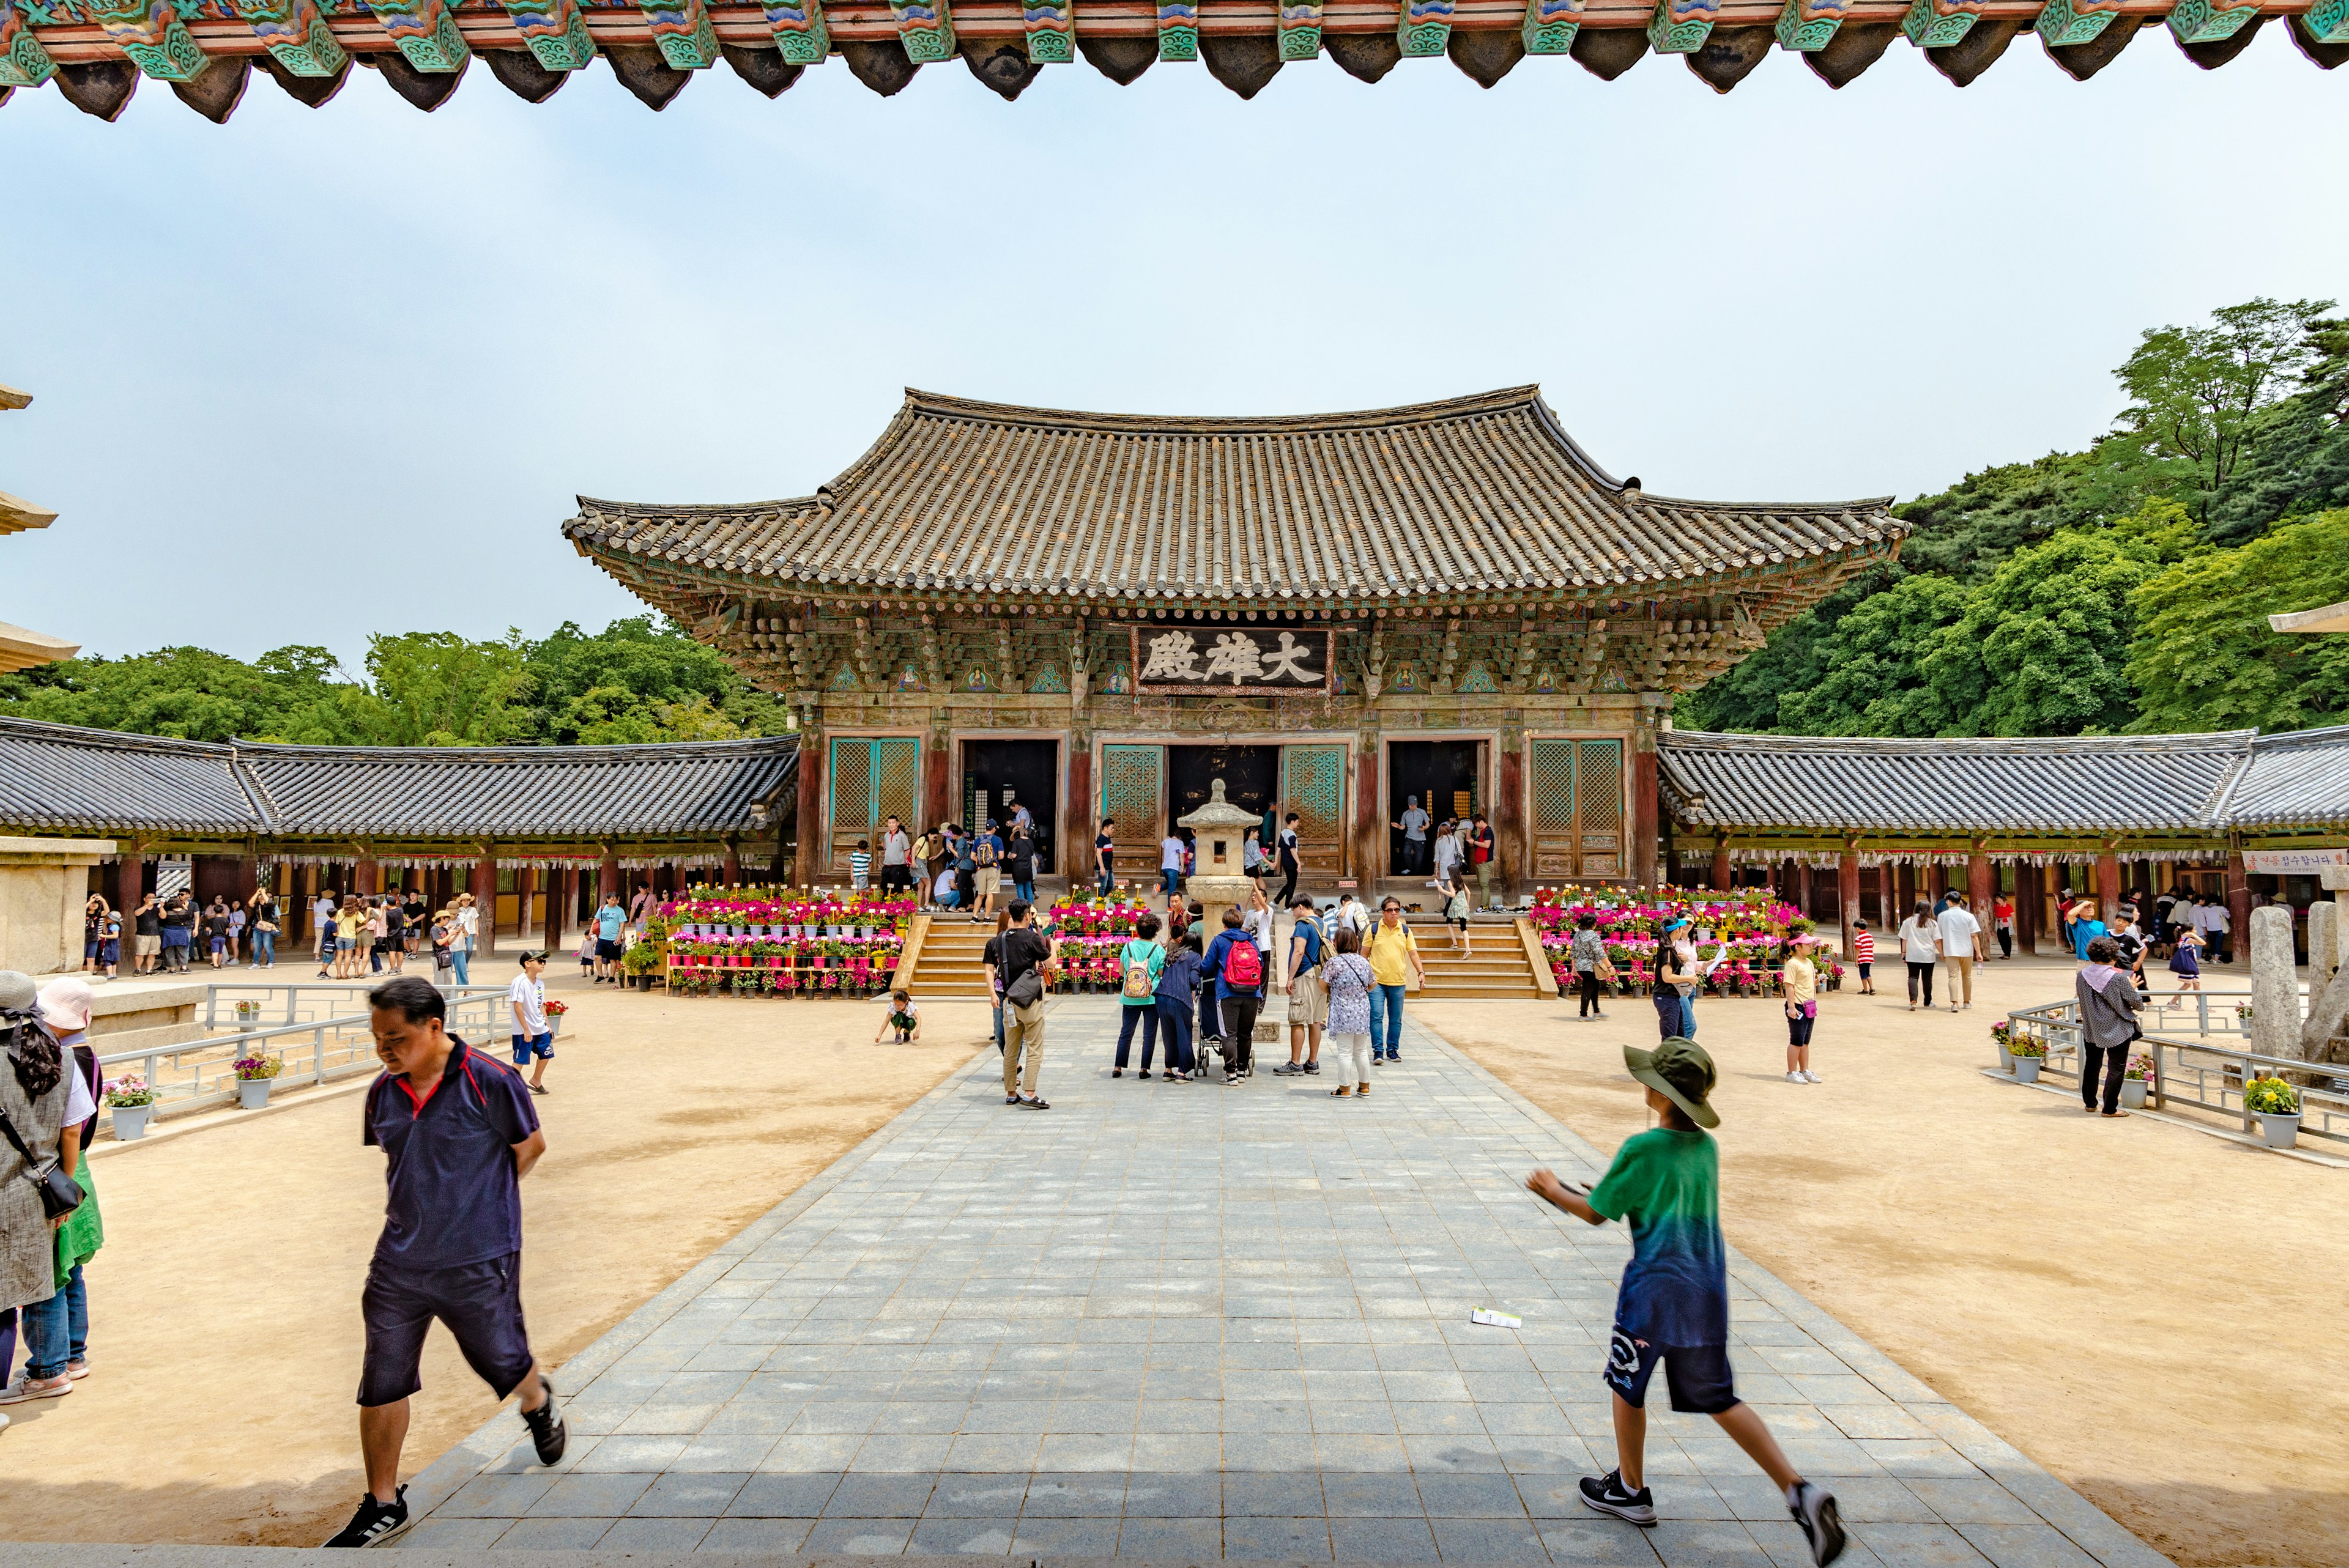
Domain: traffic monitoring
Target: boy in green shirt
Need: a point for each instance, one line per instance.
(1673, 1307)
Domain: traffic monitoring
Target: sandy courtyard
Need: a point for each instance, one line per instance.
(224, 1332)
(2151, 1313)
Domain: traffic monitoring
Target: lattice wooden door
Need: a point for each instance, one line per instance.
(872, 780)
(1313, 785)
(1577, 809)
(1133, 791)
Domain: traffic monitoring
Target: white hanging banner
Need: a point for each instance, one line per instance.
(2293, 863)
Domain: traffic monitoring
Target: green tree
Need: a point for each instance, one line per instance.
(1877, 676)
(437, 688)
(195, 694)
(642, 679)
(2204, 657)
(2196, 392)
(2045, 645)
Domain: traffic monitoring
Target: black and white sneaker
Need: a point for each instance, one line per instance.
(1814, 1508)
(1608, 1494)
(1313, 1070)
(1288, 1070)
(374, 1521)
(1035, 1102)
(547, 1432)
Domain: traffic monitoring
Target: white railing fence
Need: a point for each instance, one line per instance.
(319, 1031)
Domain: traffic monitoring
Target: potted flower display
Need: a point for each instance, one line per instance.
(555, 1007)
(2001, 1035)
(248, 1014)
(2277, 1104)
(2029, 1055)
(133, 1103)
(2135, 1079)
(254, 1077)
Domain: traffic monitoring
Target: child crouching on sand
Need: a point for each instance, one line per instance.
(1673, 1307)
(905, 1018)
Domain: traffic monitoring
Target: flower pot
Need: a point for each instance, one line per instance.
(2026, 1068)
(2005, 1059)
(553, 1024)
(252, 1093)
(130, 1120)
(2281, 1130)
(2133, 1094)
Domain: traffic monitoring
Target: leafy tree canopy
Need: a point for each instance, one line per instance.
(2204, 657)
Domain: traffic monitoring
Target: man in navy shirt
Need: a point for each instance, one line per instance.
(459, 1133)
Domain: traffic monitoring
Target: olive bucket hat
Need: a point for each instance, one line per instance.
(1680, 1071)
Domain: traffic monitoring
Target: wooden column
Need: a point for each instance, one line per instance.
(1511, 849)
(363, 876)
(1643, 815)
(129, 887)
(562, 890)
(2239, 902)
(607, 877)
(1803, 888)
(937, 789)
(732, 870)
(1080, 820)
(1847, 896)
(1720, 882)
(525, 890)
(1370, 828)
(811, 835)
(2108, 884)
(1981, 885)
(1887, 895)
(485, 904)
(2026, 912)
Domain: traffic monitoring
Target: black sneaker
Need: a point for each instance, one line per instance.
(1814, 1508)
(1036, 1102)
(547, 1432)
(374, 1521)
(1313, 1070)
(1011, 1100)
(1608, 1494)
(1287, 1069)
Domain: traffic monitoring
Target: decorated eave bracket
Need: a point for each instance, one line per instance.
(655, 44)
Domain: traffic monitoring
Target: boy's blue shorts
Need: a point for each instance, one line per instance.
(1696, 1375)
(528, 1045)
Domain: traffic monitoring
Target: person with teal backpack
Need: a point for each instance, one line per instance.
(1140, 963)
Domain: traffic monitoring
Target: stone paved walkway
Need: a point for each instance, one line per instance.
(1187, 1321)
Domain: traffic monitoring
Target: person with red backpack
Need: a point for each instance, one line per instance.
(1237, 964)
(1140, 963)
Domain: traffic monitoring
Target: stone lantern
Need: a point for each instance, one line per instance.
(1217, 881)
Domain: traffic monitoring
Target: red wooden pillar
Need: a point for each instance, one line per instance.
(485, 903)
(1643, 816)
(1369, 829)
(525, 890)
(363, 876)
(1848, 897)
(1510, 848)
(607, 878)
(130, 888)
(1981, 885)
(1720, 879)
(2108, 884)
(810, 859)
(561, 889)
(2239, 904)
(1081, 816)
(1884, 896)
(937, 794)
(732, 870)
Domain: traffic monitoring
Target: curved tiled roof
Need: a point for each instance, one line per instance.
(1473, 494)
(2088, 784)
(58, 777)
(2301, 780)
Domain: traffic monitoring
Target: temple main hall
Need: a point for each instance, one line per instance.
(1096, 616)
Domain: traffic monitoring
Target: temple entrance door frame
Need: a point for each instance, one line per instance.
(1312, 773)
(1453, 762)
(867, 779)
(1250, 772)
(1070, 817)
(999, 771)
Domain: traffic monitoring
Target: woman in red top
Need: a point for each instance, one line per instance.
(2001, 915)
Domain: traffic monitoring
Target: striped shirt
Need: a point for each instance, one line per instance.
(860, 867)
(1863, 947)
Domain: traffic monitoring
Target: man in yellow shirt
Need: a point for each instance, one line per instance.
(1394, 959)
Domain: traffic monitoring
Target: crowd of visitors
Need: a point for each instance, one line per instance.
(164, 930)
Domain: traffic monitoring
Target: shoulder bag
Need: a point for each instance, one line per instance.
(60, 1194)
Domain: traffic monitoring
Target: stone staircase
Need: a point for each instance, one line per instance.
(948, 967)
(1498, 969)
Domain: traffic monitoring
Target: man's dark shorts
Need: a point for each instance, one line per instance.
(1697, 1376)
(480, 1303)
(607, 950)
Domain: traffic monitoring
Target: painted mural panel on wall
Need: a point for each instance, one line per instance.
(1225, 658)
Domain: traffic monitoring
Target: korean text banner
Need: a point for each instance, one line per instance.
(1225, 658)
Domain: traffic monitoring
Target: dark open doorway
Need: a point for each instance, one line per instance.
(1442, 775)
(998, 775)
(1251, 776)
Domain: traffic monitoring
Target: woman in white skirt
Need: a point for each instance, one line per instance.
(1346, 976)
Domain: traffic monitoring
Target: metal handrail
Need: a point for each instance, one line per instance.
(2195, 1071)
(341, 1044)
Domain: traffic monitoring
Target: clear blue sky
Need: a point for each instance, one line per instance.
(322, 373)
